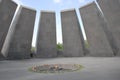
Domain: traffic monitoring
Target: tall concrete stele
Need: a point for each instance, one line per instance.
(111, 11)
(98, 43)
(20, 45)
(72, 35)
(46, 41)
(7, 10)
(19, 38)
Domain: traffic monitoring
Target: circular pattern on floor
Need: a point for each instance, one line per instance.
(56, 68)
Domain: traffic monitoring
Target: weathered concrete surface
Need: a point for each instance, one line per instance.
(72, 36)
(111, 11)
(94, 69)
(0, 1)
(98, 43)
(46, 42)
(7, 10)
(11, 31)
(20, 46)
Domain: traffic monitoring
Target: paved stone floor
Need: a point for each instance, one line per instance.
(95, 68)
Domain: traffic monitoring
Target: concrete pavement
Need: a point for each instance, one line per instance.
(95, 68)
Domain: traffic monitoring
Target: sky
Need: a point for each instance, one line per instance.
(56, 6)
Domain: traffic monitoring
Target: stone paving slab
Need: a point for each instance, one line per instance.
(95, 68)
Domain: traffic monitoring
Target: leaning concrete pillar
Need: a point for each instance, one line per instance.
(98, 43)
(72, 35)
(46, 41)
(21, 32)
(111, 12)
(7, 10)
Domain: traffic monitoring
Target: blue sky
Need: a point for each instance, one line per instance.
(54, 5)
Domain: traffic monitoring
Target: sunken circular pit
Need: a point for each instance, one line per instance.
(55, 68)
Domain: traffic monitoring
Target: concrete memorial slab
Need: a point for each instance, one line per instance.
(7, 10)
(46, 42)
(72, 35)
(20, 44)
(98, 43)
(111, 11)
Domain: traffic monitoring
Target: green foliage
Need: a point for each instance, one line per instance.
(86, 44)
(59, 46)
(33, 49)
